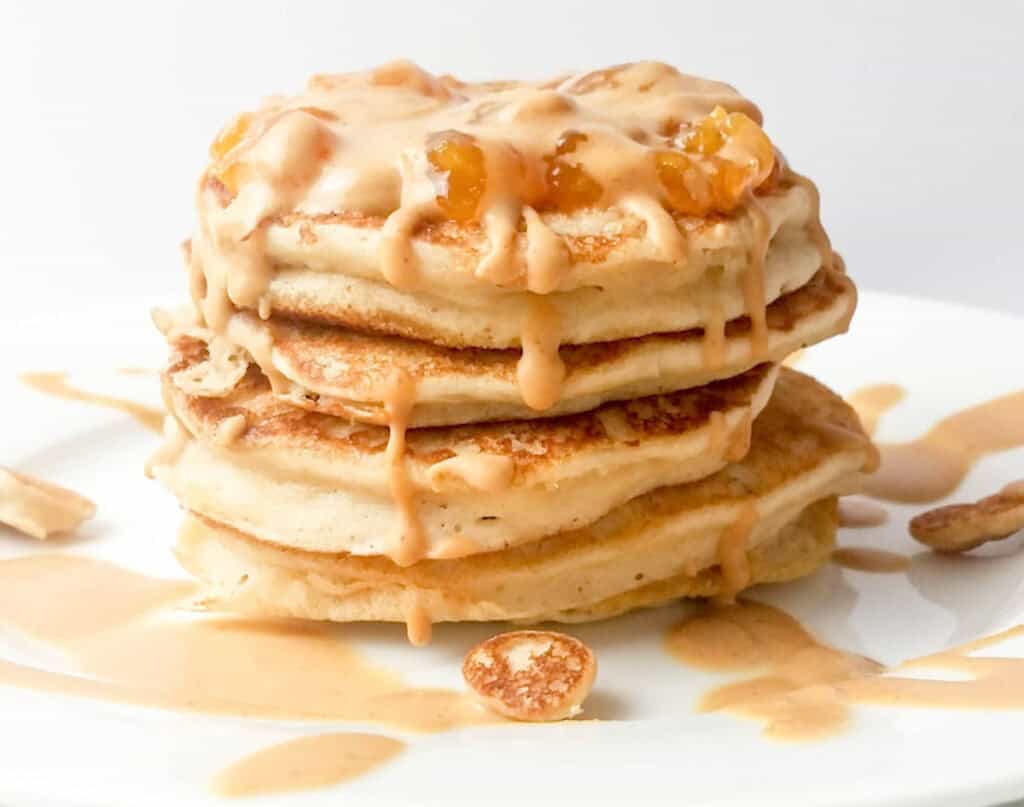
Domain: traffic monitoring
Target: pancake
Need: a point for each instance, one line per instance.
(345, 373)
(626, 201)
(326, 271)
(315, 482)
(779, 501)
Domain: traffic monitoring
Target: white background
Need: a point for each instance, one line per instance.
(908, 115)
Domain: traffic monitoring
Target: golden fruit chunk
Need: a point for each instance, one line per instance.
(687, 186)
(569, 185)
(707, 137)
(723, 157)
(532, 675)
(461, 174)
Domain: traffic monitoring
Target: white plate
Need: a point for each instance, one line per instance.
(651, 746)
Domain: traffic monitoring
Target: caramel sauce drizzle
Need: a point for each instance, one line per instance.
(713, 343)
(874, 401)
(56, 384)
(732, 554)
(805, 689)
(541, 371)
(419, 627)
(933, 466)
(753, 281)
(399, 401)
(111, 624)
(176, 439)
(308, 763)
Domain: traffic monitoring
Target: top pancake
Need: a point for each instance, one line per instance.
(635, 200)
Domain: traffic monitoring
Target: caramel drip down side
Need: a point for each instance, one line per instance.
(419, 627)
(547, 258)
(397, 261)
(753, 280)
(400, 395)
(175, 440)
(713, 343)
(228, 265)
(717, 433)
(541, 372)
(732, 553)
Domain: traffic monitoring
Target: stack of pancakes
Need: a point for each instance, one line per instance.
(506, 350)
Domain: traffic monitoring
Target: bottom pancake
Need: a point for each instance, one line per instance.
(249, 576)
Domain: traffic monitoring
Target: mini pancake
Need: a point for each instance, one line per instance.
(345, 373)
(314, 482)
(807, 448)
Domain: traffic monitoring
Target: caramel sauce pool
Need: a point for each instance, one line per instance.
(125, 643)
(56, 384)
(866, 559)
(874, 401)
(801, 689)
(933, 466)
(306, 763)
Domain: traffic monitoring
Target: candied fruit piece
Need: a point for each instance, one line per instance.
(746, 134)
(230, 136)
(707, 137)
(686, 186)
(570, 186)
(461, 171)
(723, 156)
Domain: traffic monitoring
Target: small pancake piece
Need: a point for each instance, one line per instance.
(531, 675)
(39, 508)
